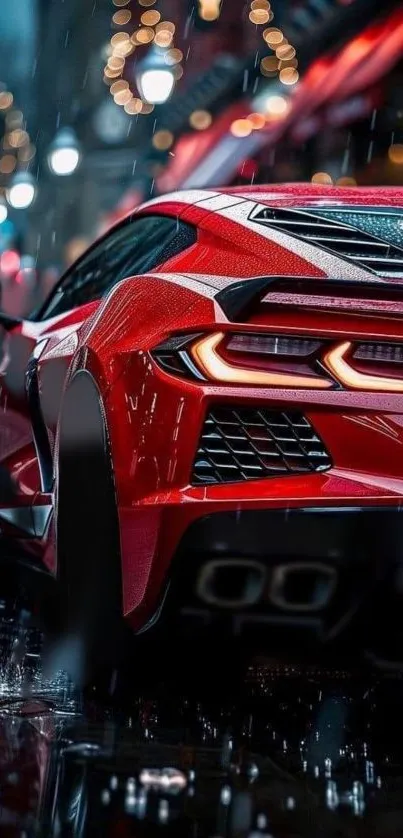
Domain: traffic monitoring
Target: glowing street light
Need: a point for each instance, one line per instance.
(64, 153)
(154, 78)
(22, 191)
(157, 85)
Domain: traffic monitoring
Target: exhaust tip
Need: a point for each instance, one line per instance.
(231, 583)
(302, 586)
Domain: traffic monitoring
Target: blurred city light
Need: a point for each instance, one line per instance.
(156, 86)
(64, 154)
(209, 9)
(9, 262)
(22, 191)
(155, 79)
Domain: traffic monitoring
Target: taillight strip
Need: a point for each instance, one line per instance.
(205, 354)
(335, 360)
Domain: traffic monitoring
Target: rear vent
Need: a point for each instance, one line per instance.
(242, 443)
(364, 238)
(388, 353)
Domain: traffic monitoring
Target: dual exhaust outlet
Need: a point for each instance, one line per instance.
(290, 587)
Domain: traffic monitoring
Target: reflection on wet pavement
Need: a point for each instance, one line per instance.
(296, 752)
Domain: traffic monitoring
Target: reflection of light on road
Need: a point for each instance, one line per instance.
(164, 779)
(21, 671)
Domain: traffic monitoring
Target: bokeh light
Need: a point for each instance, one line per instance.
(200, 120)
(276, 106)
(395, 154)
(122, 17)
(241, 127)
(163, 139)
(150, 18)
(322, 178)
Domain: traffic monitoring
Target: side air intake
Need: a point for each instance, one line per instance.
(243, 443)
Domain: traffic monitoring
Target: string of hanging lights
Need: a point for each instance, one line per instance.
(16, 153)
(156, 72)
(16, 146)
(281, 64)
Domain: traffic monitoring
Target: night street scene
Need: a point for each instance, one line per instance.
(201, 418)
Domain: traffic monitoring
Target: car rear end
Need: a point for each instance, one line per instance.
(273, 503)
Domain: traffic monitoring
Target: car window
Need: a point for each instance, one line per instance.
(134, 248)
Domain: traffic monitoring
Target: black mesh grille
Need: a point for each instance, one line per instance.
(242, 443)
(364, 238)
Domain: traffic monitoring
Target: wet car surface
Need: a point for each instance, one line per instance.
(293, 751)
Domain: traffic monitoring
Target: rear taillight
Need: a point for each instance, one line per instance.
(282, 361)
(271, 345)
(340, 362)
(215, 366)
(244, 358)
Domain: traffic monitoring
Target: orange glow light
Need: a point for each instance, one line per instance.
(122, 97)
(260, 4)
(216, 368)
(258, 121)
(322, 177)
(260, 16)
(118, 86)
(150, 18)
(241, 127)
(269, 65)
(122, 17)
(335, 361)
(209, 9)
(200, 120)
(395, 154)
(273, 36)
(289, 75)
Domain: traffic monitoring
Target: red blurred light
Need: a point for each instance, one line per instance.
(9, 262)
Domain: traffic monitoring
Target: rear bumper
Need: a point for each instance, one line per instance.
(344, 535)
(312, 576)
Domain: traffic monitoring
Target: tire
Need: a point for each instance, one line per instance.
(87, 538)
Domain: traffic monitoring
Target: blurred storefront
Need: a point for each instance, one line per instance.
(105, 104)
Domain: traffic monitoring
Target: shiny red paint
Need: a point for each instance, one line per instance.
(154, 418)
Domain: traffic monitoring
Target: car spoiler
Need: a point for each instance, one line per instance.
(237, 299)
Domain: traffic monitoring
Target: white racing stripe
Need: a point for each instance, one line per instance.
(189, 196)
(220, 202)
(205, 284)
(332, 265)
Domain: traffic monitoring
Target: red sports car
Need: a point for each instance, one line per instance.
(211, 401)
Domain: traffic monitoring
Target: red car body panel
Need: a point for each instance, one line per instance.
(155, 419)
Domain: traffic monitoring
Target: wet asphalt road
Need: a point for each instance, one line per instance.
(293, 752)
